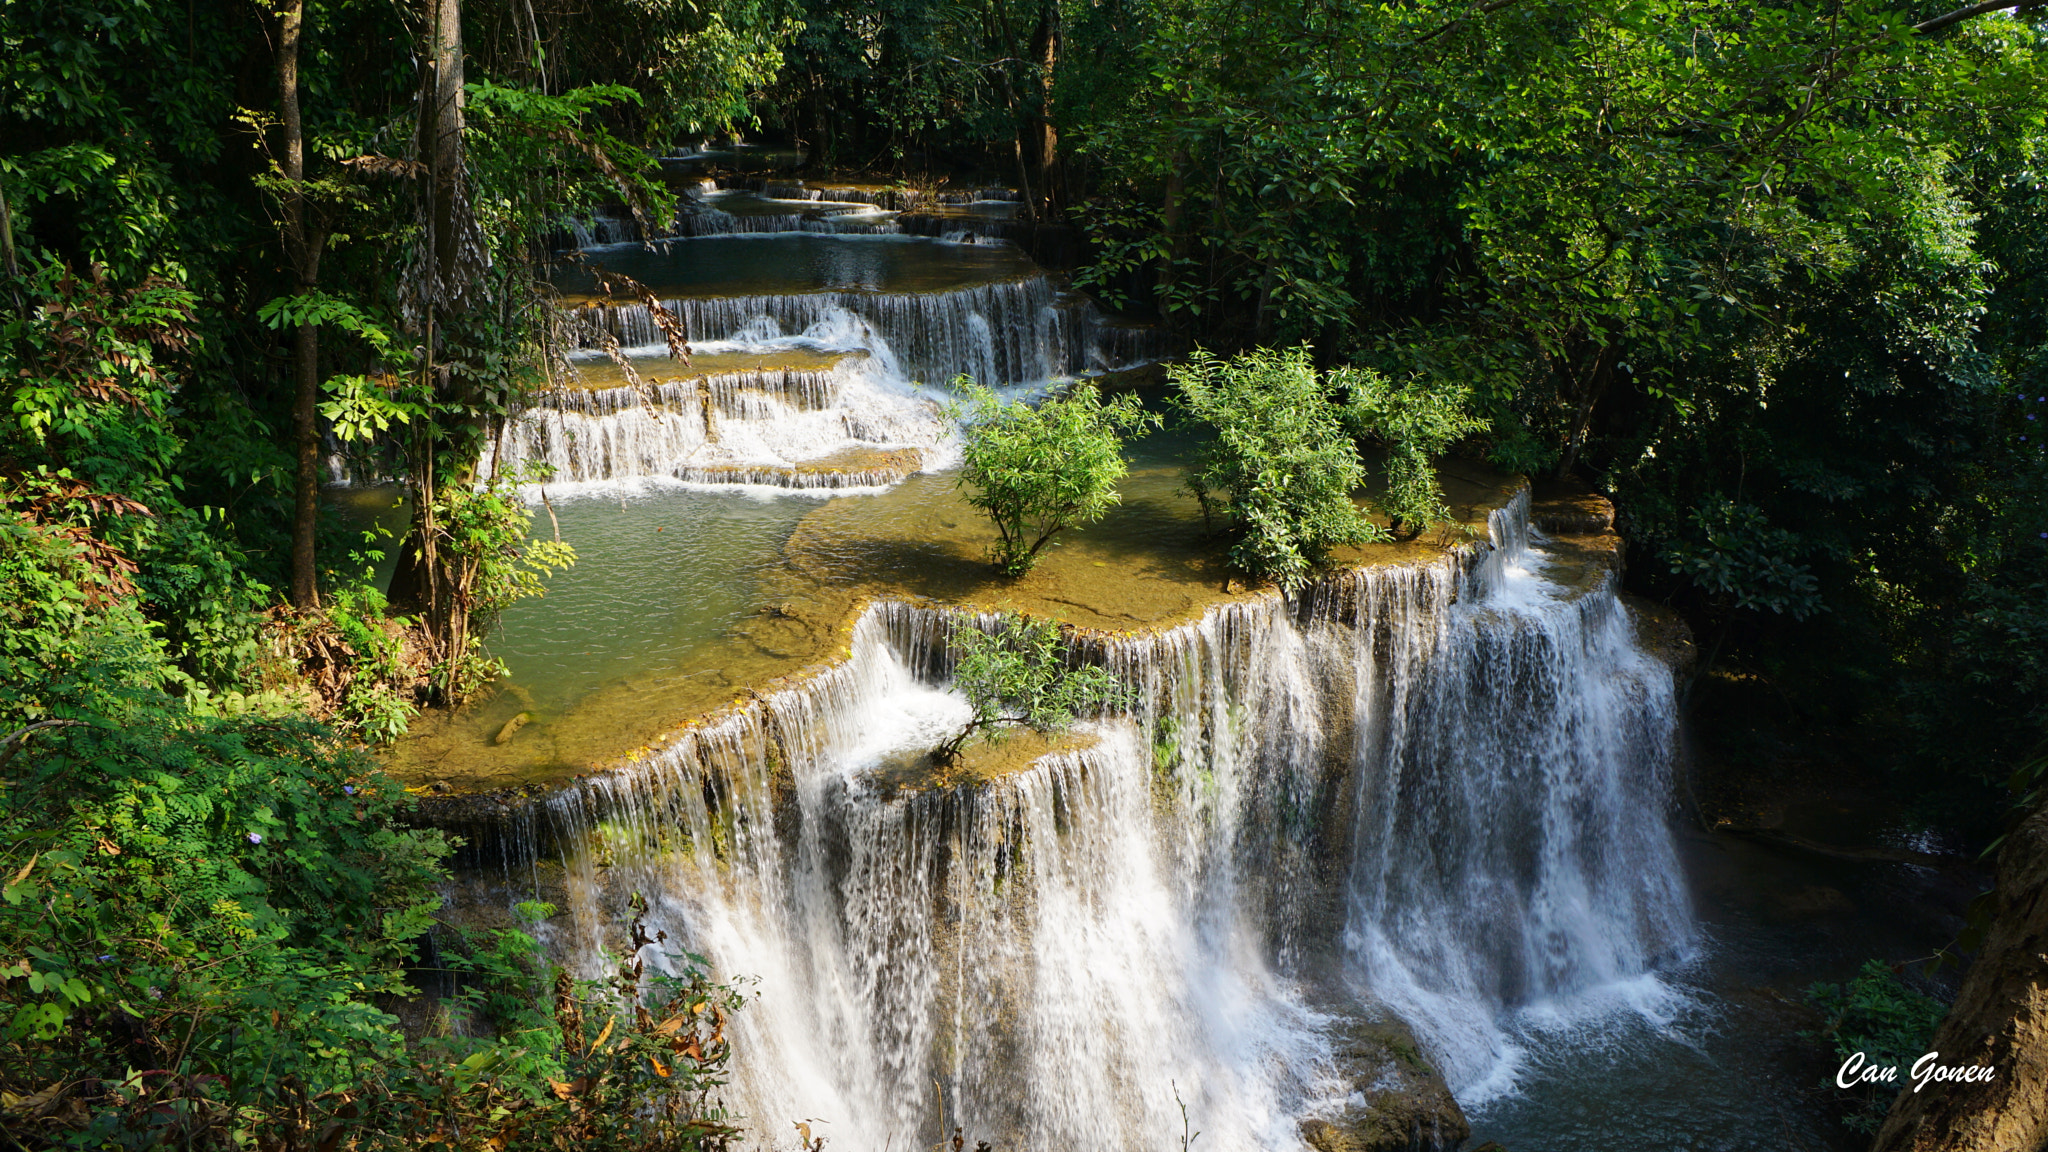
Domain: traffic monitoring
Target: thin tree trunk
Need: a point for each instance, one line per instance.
(303, 254)
(7, 264)
(1045, 51)
(1596, 384)
(450, 258)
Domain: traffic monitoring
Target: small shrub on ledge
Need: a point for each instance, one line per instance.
(1040, 471)
(1016, 674)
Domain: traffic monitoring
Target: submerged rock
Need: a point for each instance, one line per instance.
(1407, 1106)
(512, 727)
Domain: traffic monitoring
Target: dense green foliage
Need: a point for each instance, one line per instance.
(1017, 672)
(208, 906)
(1281, 460)
(1039, 470)
(1774, 277)
(1771, 276)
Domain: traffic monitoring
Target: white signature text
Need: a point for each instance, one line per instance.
(1928, 1069)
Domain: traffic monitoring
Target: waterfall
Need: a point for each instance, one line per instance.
(1438, 789)
(853, 220)
(795, 429)
(763, 426)
(601, 230)
(1531, 737)
(1007, 332)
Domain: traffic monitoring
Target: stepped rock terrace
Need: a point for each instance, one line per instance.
(774, 588)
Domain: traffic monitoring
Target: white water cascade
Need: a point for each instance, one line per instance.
(1435, 789)
(862, 423)
(753, 427)
(1004, 332)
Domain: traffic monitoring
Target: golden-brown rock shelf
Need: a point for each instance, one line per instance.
(1147, 567)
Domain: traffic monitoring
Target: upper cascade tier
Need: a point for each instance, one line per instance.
(754, 206)
(839, 351)
(843, 425)
(1434, 789)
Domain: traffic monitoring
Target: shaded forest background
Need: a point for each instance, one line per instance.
(1773, 276)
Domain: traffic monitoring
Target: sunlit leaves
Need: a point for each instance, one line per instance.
(1041, 470)
(1281, 458)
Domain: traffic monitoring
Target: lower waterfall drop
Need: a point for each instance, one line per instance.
(1436, 789)
(1512, 854)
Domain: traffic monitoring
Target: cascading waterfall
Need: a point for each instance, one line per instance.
(813, 430)
(848, 219)
(1007, 332)
(1531, 737)
(1438, 789)
(761, 425)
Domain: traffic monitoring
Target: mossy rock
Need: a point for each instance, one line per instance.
(1407, 1104)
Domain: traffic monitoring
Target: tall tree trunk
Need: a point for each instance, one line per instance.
(451, 258)
(441, 150)
(7, 264)
(1591, 386)
(1045, 143)
(302, 250)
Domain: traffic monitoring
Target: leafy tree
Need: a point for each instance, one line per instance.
(1039, 471)
(204, 909)
(1280, 456)
(490, 560)
(1017, 671)
(1417, 422)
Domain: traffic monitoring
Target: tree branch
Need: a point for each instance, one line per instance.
(1486, 9)
(1962, 14)
(21, 734)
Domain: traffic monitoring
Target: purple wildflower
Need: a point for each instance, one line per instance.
(255, 837)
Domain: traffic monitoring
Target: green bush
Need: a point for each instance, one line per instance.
(492, 561)
(202, 919)
(1878, 1015)
(1040, 471)
(1281, 456)
(1417, 422)
(1016, 672)
(203, 909)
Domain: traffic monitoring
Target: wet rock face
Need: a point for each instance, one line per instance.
(1999, 1020)
(1407, 1106)
(1570, 508)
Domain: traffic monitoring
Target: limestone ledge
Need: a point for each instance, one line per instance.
(1102, 602)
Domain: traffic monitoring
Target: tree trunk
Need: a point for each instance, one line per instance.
(303, 253)
(1589, 394)
(441, 149)
(451, 259)
(1045, 144)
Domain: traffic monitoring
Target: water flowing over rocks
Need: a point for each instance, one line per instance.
(1426, 796)
(897, 351)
